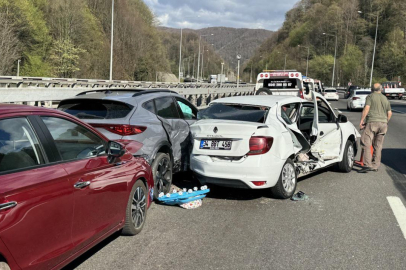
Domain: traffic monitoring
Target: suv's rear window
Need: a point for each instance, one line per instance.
(95, 109)
(236, 112)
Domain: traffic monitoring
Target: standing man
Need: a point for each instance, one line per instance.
(374, 121)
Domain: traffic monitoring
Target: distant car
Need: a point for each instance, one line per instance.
(357, 99)
(188, 80)
(259, 142)
(331, 94)
(159, 119)
(350, 89)
(64, 187)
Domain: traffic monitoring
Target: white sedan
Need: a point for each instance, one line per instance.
(262, 142)
(357, 99)
(331, 94)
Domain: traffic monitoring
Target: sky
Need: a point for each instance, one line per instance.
(197, 14)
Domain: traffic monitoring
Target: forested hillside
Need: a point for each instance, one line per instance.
(309, 19)
(71, 38)
(190, 49)
(228, 42)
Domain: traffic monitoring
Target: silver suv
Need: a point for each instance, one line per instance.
(159, 119)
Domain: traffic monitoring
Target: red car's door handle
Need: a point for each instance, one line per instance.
(80, 185)
(7, 205)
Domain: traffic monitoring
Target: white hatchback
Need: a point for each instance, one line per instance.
(357, 99)
(331, 94)
(262, 142)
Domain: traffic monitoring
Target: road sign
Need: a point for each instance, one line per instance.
(238, 56)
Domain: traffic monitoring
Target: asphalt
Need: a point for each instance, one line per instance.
(347, 223)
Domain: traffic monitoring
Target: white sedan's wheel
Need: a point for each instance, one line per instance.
(288, 177)
(348, 159)
(286, 185)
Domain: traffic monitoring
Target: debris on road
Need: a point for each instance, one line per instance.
(188, 199)
(300, 196)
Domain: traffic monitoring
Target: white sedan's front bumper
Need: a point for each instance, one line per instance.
(239, 173)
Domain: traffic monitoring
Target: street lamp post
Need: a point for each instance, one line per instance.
(198, 58)
(112, 36)
(308, 53)
(180, 54)
(18, 67)
(238, 70)
(335, 56)
(221, 76)
(284, 68)
(373, 56)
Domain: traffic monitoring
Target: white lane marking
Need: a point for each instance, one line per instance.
(399, 210)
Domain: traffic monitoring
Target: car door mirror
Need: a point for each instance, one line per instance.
(114, 150)
(342, 119)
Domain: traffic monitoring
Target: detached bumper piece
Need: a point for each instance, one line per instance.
(186, 199)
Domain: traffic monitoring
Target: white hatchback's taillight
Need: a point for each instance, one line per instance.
(260, 145)
(123, 130)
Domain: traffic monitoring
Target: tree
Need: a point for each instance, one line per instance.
(65, 58)
(9, 48)
(322, 68)
(352, 65)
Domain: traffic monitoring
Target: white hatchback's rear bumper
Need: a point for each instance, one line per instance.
(357, 104)
(238, 173)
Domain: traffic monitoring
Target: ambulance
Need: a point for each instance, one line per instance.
(280, 82)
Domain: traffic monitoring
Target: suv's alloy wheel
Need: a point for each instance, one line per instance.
(162, 171)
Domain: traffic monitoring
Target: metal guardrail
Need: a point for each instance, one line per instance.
(34, 91)
(22, 82)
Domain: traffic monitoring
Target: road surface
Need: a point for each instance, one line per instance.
(348, 223)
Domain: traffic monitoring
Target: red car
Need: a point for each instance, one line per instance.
(64, 187)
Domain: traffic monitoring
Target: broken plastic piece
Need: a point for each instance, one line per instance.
(300, 196)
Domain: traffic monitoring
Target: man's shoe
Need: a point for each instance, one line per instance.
(365, 170)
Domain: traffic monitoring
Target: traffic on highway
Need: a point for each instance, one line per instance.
(197, 135)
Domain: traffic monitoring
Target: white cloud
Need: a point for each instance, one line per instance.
(266, 14)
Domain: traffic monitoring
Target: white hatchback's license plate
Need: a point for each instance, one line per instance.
(215, 145)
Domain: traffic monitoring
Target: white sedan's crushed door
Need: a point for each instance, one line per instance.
(327, 132)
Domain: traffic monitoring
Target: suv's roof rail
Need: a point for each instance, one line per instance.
(152, 91)
(109, 91)
(137, 92)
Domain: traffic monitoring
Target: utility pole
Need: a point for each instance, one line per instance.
(198, 59)
(335, 57)
(194, 60)
(373, 57)
(251, 74)
(221, 76)
(112, 37)
(238, 70)
(285, 62)
(308, 54)
(180, 53)
(18, 67)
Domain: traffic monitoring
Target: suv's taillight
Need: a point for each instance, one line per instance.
(260, 145)
(123, 130)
